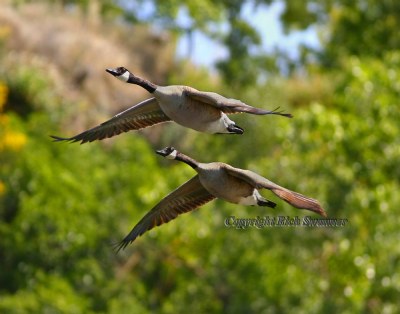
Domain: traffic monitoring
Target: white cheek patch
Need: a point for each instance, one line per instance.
(124, 77)
(172, 155)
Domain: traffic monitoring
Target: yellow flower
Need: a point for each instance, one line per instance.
(3, 95)
(2, 188)
(13, 141)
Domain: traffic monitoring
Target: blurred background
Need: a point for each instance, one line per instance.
(335, 65)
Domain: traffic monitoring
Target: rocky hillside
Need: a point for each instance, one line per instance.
(70, 48)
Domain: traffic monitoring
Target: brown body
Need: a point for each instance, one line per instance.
(202, 111)
(215, 180)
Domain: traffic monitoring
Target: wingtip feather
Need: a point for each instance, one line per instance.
(59, 139)
(322, 212)
(300, 201)
(69, 139)
(281, 113)
(121, 245)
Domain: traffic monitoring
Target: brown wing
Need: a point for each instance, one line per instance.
(293, 198)
(229, 105)
(142, 115)
(185, 198)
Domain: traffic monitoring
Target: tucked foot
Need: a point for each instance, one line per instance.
(265, 202)
(235, 129)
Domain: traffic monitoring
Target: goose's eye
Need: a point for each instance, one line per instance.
(121, 70)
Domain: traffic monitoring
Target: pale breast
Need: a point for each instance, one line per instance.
(222, 185)
(186, 111)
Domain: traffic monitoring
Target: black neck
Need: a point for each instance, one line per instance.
(187, 160)
(147, 85)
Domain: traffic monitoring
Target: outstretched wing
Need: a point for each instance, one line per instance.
(142, 115)
(185, 198)
(229, 105)
(293, 198)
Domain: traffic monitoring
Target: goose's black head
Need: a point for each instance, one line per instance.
(125, 75)
(120, 73)
(168, 152)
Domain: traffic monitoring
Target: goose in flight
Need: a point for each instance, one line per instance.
(201, 111)
(215, 180)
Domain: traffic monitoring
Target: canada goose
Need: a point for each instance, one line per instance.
(215, 180)
(201, 111)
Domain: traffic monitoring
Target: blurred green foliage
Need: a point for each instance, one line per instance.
(363, 27)
(62, 206)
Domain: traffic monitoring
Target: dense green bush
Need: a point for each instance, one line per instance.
(63, 205)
